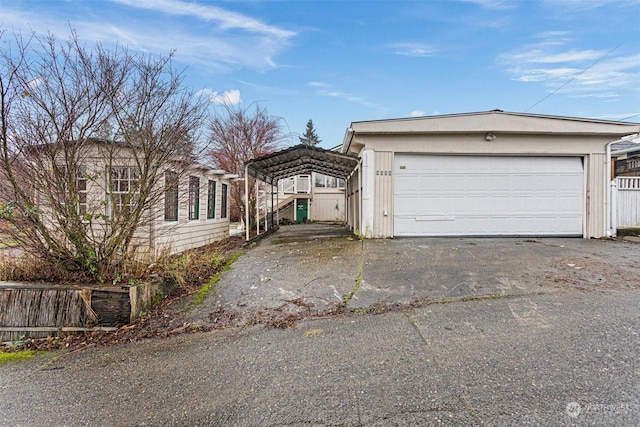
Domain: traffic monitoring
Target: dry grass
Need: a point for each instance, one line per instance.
(190, 269)
(25, 268)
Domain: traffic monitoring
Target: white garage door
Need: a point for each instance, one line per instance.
(484, 196)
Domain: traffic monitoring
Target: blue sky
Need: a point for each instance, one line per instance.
(341, 61)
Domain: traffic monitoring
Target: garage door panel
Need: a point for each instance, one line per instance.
(476, 195)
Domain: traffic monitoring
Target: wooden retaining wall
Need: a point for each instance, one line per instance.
(38, 311)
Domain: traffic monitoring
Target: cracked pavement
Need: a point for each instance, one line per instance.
(554, 340)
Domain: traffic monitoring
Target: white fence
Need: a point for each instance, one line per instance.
(626, 201)
(295, 184)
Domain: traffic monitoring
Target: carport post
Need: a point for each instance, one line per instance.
(272, 204)
(246, 201)
(257, 209)
(277, 204)
(266, 210)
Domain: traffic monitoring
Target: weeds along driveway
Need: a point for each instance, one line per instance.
(315, 270)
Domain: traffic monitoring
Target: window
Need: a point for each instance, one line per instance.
(170, 196)
(324, 181)
(223, 203)
(211, 200)
(194, 197)
(81, 187)
(124, 186)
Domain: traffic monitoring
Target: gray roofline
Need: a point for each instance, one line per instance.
(501, 112)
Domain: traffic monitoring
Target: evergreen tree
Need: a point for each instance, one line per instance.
(310, 137)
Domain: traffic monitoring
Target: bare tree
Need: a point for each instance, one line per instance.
(237, 135)
(86, 135)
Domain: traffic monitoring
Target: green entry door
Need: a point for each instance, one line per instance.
(302, 210)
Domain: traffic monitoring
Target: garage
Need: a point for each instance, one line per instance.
(441, 195)
(489, 173)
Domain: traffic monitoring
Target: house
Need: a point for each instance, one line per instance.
(316, 197)
(490, 173)
(195, 210)
(625, 157)
(186, 205)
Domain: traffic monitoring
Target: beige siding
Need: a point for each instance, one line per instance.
(596, 196)
(184, 234)
(383, 203)
(552, 145)
(190, 234)
(328, 205)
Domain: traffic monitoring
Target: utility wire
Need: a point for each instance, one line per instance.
(630, 117)
(574, 77)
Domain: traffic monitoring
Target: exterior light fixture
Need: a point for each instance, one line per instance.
(489, 136)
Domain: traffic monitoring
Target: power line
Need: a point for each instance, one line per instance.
(630, 117)
(574, 77)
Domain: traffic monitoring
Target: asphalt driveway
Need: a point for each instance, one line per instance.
(560, 349)
(316, 269)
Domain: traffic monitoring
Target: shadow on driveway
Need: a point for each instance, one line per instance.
(320, 269)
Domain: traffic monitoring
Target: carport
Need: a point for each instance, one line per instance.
(296, 160)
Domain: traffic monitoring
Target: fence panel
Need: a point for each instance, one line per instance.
(628, 202)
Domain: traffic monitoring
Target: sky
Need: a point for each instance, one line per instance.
(336, 62)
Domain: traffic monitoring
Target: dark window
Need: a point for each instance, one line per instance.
(211, 200)
(194, 197)
(170, 196)
(223, 203)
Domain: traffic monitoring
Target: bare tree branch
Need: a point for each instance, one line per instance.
(73, 119)
(237, 135)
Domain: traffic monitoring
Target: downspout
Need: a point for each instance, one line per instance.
(610, 232)
(360, 185)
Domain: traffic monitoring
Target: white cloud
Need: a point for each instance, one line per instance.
(412, 49)
(491, 4)
(580, 72)
(417, 113)
(221, 40)
(347, 97)
(230, 97)
(544, 57)
(574, 6)
(318, 84)
(325, 89)
(225, 19)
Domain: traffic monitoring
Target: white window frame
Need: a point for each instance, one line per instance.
(122, 179)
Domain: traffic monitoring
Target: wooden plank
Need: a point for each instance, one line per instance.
(60, 329)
